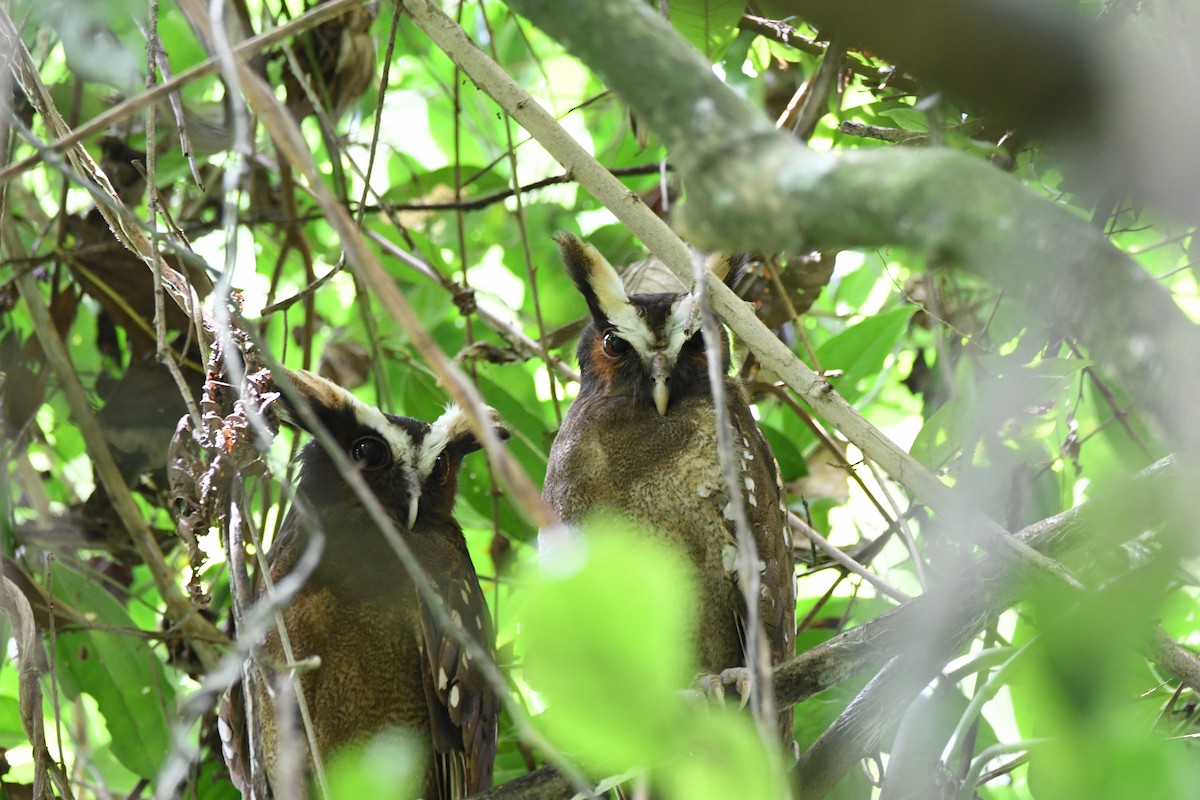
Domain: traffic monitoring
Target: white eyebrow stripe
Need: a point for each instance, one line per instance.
(452, 424)
(629, 323)
(683, 323)
(614, 303)
(606, 285)
(404, 449)
(639, 336)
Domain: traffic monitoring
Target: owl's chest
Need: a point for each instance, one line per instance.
(358, 613)
(662, 472)
(634, 460)
(364, 661)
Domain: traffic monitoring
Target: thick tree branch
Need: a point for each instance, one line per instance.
(751, 187)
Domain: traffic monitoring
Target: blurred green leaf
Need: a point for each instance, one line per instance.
(614, 612)
(389, 765)
(619, 619)
(726, 759)
(1087, 690)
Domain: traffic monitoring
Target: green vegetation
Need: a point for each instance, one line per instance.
(980, 352)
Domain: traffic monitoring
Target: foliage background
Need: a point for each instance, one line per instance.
(1057, 695)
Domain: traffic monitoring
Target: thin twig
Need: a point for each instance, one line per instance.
(527, 252)
(758, 660)
(847, 563)
(310, 19)
(29, 647)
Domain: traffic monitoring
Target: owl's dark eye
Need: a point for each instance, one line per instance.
(441, 470)
(614, 346)
(370, 453)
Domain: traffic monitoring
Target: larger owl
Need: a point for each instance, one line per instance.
(641, 439)
(385, 660)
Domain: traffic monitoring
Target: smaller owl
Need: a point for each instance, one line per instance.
(384, 658)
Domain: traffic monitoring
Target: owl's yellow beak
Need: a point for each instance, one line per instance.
(660, 373)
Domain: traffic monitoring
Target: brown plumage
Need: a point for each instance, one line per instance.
(338, 60)
(384, 659)
(641, 439)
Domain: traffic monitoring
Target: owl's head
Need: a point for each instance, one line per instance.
(411, 466)
(647, 347)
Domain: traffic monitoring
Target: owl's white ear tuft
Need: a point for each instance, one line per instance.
(322, 394)
(601, 287)
(453, 430)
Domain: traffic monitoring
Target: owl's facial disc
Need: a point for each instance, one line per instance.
(405, 447)
(657, 345)
(385, 448)
(654, 326)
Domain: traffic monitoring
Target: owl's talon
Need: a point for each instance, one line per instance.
(712, 687)
(740, 679)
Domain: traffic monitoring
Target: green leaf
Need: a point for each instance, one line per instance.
(791, 460)
(860, 351)
(940, 437)
(708, 25)
(908, 118)
(12, 732)
(507, 389)
(852, 289)
(122, 673)
(607, 649)
(389, 765)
